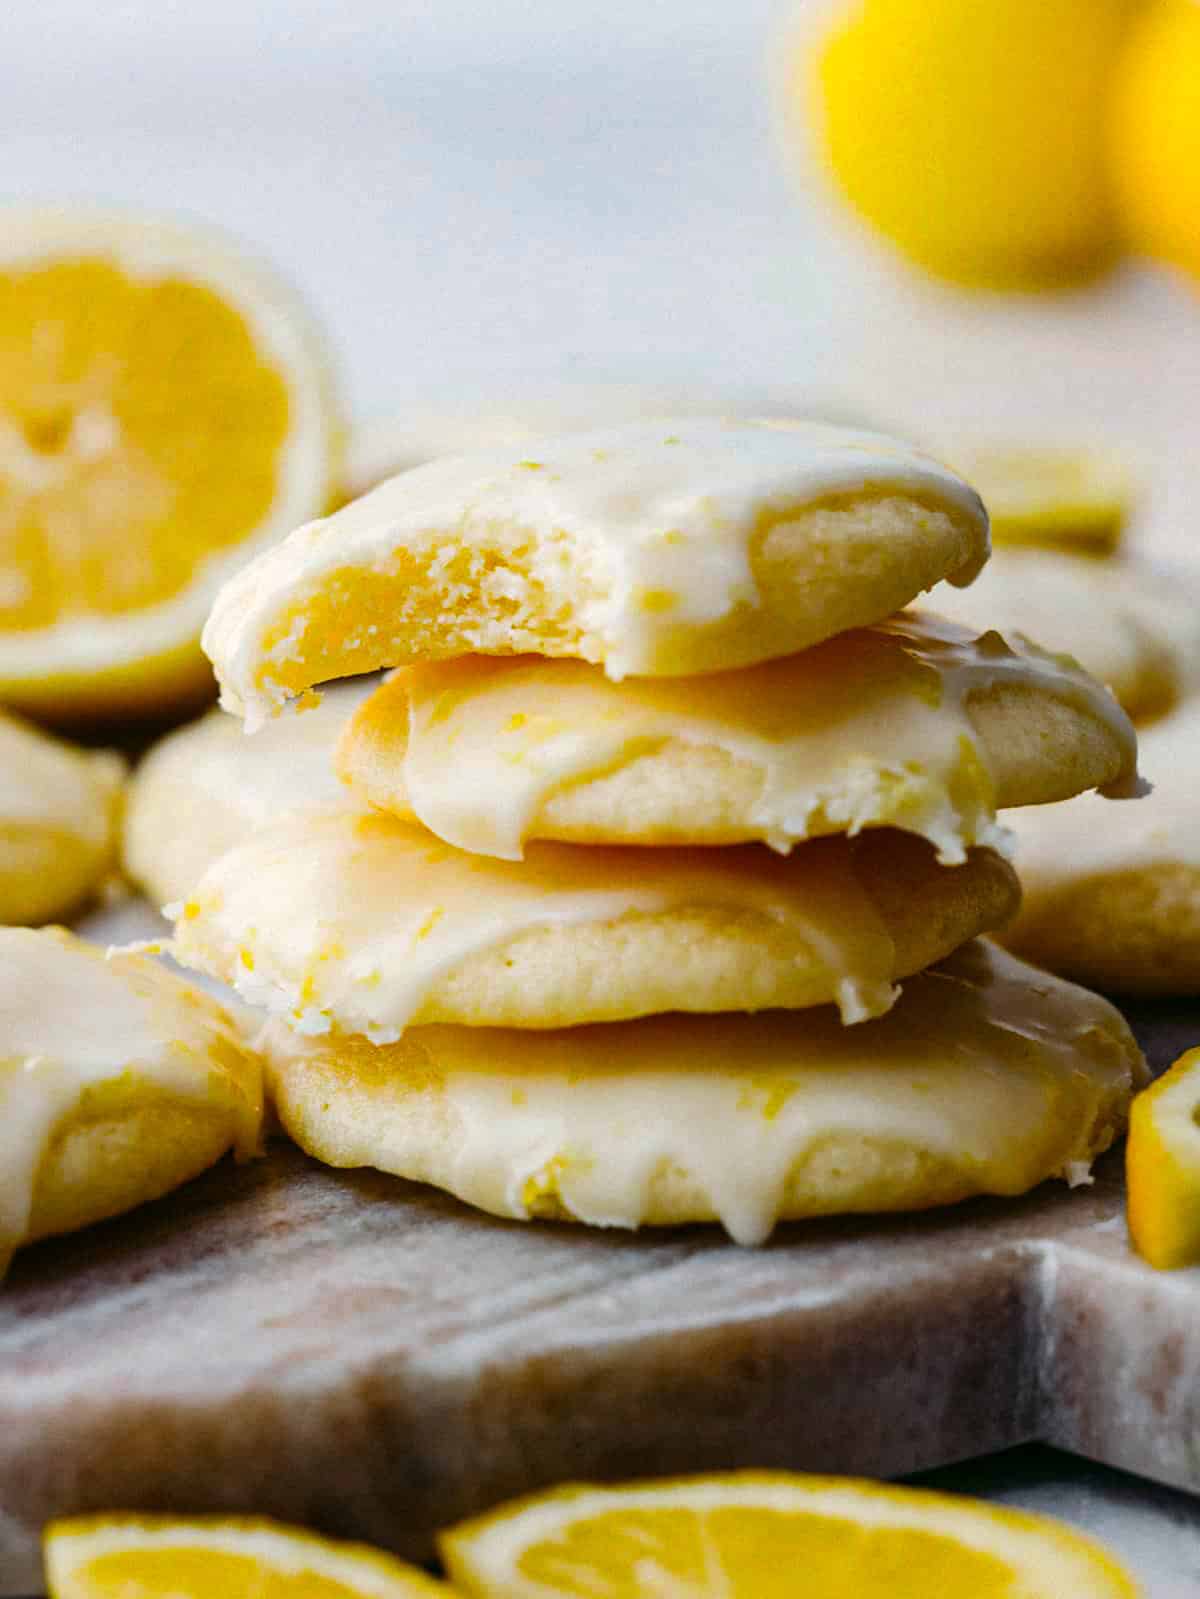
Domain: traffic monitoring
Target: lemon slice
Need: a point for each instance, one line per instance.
(1162, 1163)
(165, 413)
(159, 1557)
(767, 1535)
(1075, 500)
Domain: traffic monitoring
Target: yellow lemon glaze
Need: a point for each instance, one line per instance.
(630, 546)
(868, 728)
(70, 1021)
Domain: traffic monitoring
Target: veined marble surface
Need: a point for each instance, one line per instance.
(370, 1357)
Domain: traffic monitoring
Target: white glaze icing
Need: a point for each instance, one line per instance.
(984, 1062)
(48, 784)
(69, 1020)
(659, 517)
(208, 786)
(869, 727)
(345, 920)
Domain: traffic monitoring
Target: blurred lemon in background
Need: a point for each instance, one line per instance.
(1073, 499)
(164, 413)
(1156, 134)
(972, 133)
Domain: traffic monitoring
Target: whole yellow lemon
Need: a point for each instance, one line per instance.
(972, 133)
(1156, 134)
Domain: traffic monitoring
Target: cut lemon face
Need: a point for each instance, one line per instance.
(1073, 499)
(159, 1557)
(766, 1535)
(164, 414)
(1162, 1163)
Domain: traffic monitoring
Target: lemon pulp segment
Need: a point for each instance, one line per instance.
(140, 432)
(158, 1557)
(163, 409)
(769, 1535)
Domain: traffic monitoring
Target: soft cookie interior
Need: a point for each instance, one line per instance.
(660, 549)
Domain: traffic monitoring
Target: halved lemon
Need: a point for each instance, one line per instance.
(767, 1535)
(162, 1557)
(1074, 499)
(1162, 1164)
(165, 413)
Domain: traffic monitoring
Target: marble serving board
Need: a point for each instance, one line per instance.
(373, 1359)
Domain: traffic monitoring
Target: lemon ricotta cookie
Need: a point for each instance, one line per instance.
(1115, 618)
(987, 1077)
(59, 811)
(206, 787)
(118, 1082)
(365, 924)
(1112, 893)
(655, 549)
(915, 723)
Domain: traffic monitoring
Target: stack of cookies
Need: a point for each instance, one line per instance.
(665, 806)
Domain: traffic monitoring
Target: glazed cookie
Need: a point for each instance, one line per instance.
(987, 1077)
(1112, 893)
(1111, 616)
(656, 549)
(207, 786)
(118, 1081)
(58, 822)
(915, 724)
(366, 924)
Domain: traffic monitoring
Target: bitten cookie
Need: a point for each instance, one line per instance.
(655, 549)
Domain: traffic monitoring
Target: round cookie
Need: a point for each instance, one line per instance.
(58, 822)
(1111, 616)
(658, 549)
(361, 923)
(987, 1077)
(1112, 892)
(118, 1082)
(207, 786)
(915, 724)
